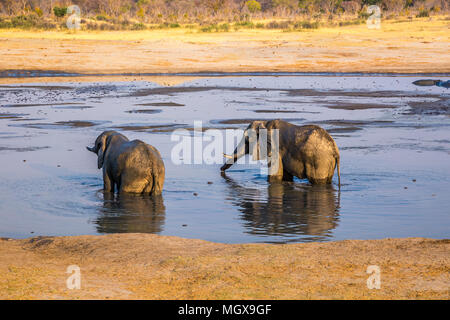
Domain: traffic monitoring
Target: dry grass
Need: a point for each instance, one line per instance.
(142, 266)
(420, 45)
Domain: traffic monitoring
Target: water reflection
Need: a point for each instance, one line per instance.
(288, 210)
(131, 213)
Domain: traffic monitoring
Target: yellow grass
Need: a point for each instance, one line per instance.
(417, 46)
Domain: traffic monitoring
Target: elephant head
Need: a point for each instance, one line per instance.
(252, 142)
(101, 144)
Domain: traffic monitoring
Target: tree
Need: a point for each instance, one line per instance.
(253, 6)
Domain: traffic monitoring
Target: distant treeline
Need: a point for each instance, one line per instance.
(172, 13)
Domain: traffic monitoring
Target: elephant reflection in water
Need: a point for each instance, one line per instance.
(288, 209)
(131, 213)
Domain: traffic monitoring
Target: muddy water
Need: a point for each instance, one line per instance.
(394, 139)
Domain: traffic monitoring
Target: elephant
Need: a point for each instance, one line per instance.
(130, 166)
(286, 210)
(303, 151)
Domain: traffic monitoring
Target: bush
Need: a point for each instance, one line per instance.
(138, 26)
(245, 24)
(101, 18)
(225, 27)
(60, 12)
(253, 6)
(424, 13)
(278, 25)
(307, 25)
(24, 22)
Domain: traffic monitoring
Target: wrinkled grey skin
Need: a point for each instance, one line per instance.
(130, 166)
(306, 152)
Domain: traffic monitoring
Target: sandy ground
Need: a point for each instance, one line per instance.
(145, 266)
(407, 47)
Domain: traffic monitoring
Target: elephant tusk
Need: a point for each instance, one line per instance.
(227, 156)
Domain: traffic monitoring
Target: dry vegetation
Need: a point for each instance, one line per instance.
(351, 48)
(208, 15)
(144, 266)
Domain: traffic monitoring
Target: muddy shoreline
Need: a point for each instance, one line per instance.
(144, 266)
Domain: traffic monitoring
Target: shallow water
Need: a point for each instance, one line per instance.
(394, 139)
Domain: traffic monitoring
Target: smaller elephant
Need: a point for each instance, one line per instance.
(302, 151)
(131, 166)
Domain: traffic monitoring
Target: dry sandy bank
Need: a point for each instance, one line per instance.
(414, 46)
(129, 266)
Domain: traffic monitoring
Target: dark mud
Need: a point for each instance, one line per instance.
(22, 149)
(358, 106)
(25, 105)
(439, 107)
(278, 111)
(150, 128)
(161, 104)
(68, 124)
(146, 111)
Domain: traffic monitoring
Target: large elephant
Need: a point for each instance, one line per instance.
(131, 166)
(303, 151)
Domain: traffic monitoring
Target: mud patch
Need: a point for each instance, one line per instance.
(361, 94)
(344, 130)
(59, 124)
(358, 106)
(176, 90)
(279, 111)
(149, 128)
(11, 115)
(247, 121)
(51, 88)
(353, 122)
(23, 149)
(23, 105)
(438, 107)
(73, 107)
(161, 104)
(145, 111)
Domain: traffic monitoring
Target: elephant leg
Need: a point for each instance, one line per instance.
(149, 187)
(287, 176)
(276, 172)
(108, 184)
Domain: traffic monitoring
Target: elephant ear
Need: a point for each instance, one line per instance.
(101, 148)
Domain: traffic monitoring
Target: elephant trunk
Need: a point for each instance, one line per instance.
(238, 153)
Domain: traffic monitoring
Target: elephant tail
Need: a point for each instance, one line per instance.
(338, 160)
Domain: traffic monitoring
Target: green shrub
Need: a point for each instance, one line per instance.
(253, 6)
(424, 13)
(100, 17)
(306, 25)
(224, 27)
(24, 22)
(245, 24)
(60, 12)
(138, 26)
